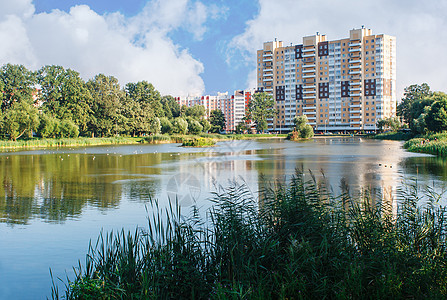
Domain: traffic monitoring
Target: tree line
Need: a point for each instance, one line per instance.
(54, 102)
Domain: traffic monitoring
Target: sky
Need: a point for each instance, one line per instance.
(194, 47)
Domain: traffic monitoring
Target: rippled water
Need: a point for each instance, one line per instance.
(55, 201)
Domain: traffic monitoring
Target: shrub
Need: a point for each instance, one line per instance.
(180, 126)
(68, 129)
(166, 125)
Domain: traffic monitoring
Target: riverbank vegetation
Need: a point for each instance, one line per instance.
(296, 242)
(302, 130)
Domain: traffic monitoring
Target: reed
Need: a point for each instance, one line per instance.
(295, 241)
(66, 142)
(435, 144)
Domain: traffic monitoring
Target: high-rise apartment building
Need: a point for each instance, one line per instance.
(232, 106)
(340, 85)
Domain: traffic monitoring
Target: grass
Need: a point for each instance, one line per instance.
(294, 242)
(66, 142)
(394, 135)
(435, 144)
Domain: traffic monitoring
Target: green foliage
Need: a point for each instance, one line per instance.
(242, 127)
(198, 142)
(302, 130)
(49, 126)
(166, 125)
(197, 112)
(260, 108)
(144, 93)
(436, 117)
(217, 121)
(394, 135)
(389, 124)
(180, 126)
(20, 118)
(155, 126)
(170, 107)
(300, 242)
(413, 93)
(17, 85)
(435, 144)
(107, 98)
(68, 129)
(194, 126)
(205, 124)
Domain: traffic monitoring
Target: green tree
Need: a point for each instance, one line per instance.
(66, 96)
(205, 124)
(106, 103)
(49, 126)
(20, 118)
(145, 94)
(166, 125)
(413, 93)
(17, 85)
(197, 112)
(155, 126)
(180, 125)
(217, 121)
(194, 127)
(260, 108)
(68, 129)
(436, 118)
(170, 107)
(302, 130)
(241, 127)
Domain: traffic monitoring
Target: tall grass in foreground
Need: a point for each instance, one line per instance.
(67, 142)
(295, 242)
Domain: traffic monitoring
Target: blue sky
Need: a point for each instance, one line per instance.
(202, 47)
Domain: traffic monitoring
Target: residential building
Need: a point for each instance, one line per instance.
(232, 106)
(340, 85)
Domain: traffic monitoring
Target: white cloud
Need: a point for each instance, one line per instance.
(419, 26)
(134, 49)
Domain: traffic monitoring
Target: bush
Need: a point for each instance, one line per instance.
(49, 126)
(194, 126)
(155, 126)
(198, 142)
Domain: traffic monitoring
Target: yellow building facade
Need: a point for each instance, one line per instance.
(341, 85)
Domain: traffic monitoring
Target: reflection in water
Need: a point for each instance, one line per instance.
(54, 186)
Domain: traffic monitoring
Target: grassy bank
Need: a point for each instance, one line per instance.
(394, 135)
(435, 144)
(297, 242)
(67, 142)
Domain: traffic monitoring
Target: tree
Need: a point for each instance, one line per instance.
(166, 125)
(194, 127)
(412, 94)
(180, 126)
(155, 126)
(389, 123)
(68, 129)
(260, 108)
(17, 85)
(145, 94)
(66, 96)
(241, 127)
(49, 126)
(436, 118)
(106, 103)
(302, 130)
(205, 124)
(197, 112)
(217, 121)
(20, 118)
(170, 107)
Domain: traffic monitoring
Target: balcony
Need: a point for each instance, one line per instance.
(355, 89)
(308, 50)
(309, 92)
(309, 97)
(268, 90)
(354, 44)
(354, 72)
(268, 70)
(355, 66)
(312, 65)
(358, 94)
(308, 55)
(309, 71)
(312, 86)
(267, 55)
(267, 79)
(355, 50)
(355, 61)
(309, 76)
(267, 60)
(356, 123)
(355, 112)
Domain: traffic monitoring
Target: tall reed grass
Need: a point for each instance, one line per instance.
(67, 142)
(295, 241)
(435, 144)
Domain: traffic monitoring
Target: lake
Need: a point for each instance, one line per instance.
(57, 200)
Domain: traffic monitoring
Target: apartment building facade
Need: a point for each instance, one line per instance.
(341, 85)
(233, 106)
